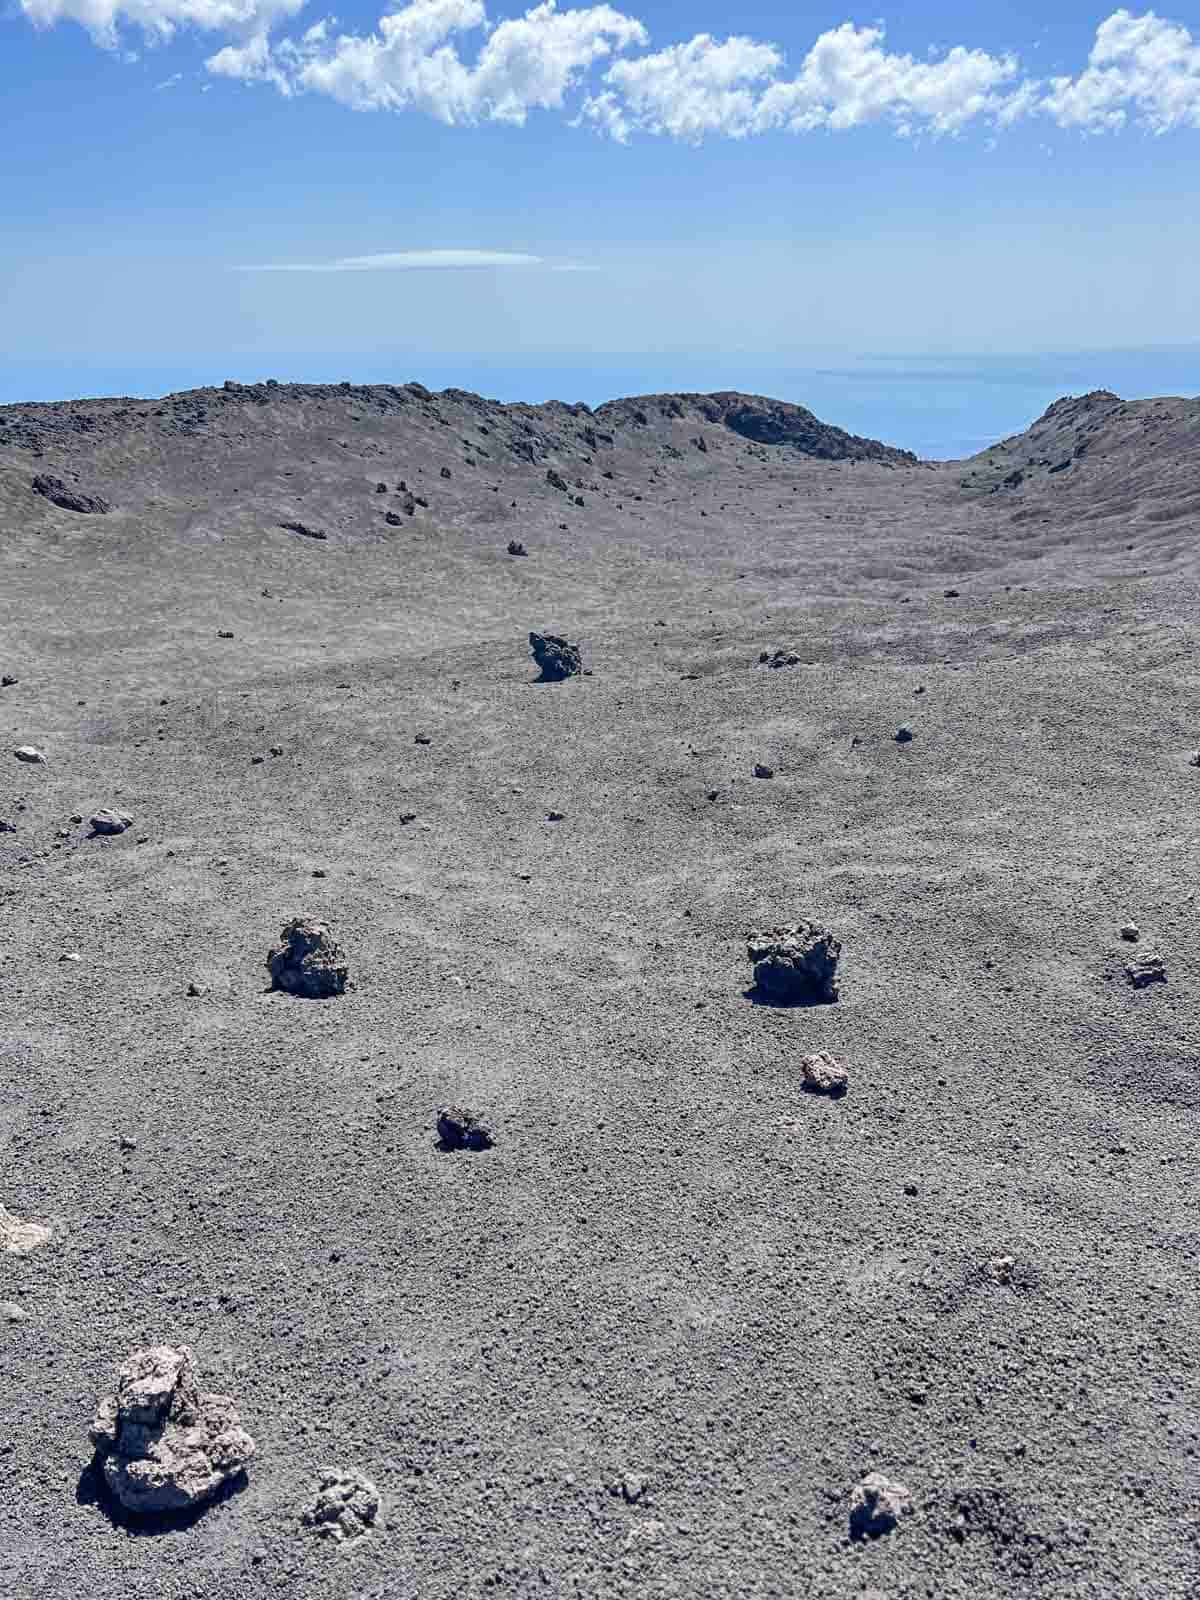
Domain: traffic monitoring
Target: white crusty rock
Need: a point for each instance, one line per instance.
(796, 964)
(824, 1074)
(18, 1238)
(107, 821)
(877, 1504)
(345, 1506)
(165, 1446)
(308, 961)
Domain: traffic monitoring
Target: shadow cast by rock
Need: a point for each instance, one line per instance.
(758, 996)
(91, 1490)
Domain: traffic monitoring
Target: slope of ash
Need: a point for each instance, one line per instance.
(891, 1291)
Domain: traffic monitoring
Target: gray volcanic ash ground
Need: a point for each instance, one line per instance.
(650, 1340)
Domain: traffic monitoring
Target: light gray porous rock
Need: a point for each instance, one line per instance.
(824, 1074)
(165, 1446)
(877, 1505)
(108, 821)
(345, 1507)
(1146, 969)
(555, 657)
(19, 1238)
(308, 961)
(796, 964)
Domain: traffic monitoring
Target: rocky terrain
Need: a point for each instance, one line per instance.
(878, 1281)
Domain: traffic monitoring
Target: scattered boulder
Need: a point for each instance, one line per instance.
(7, 680)
(903, 734)
(516, 548)
(778, 658)
(303, 529)
(106, 821)
(445, 472)
(345, 1506)
(460, 1129)
(224, 633)
(555, 479)
(1146, 969)
(19, 1238)
(28, 752)
(1194, 759)
(554, 656)
(950, 594)
(381, 488)
(6, 826)
(58, 494)
(796, 964)
(824, 1074)
(1131, 932)
(307, 961)
(1000, 1269)
(876, 1506)
(761, 770)
(165, 1446)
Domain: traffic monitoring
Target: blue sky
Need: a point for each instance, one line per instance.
(823, 186)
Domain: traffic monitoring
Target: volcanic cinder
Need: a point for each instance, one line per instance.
(974, 1273)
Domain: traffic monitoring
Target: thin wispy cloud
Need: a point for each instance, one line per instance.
(414, 261)
(169, 83)
(594, 64)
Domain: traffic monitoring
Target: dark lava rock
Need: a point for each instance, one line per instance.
(555, 479)
(7, 681)
(460, 1129)
(445, 472)
(950, 594)
(903, 734)
(6, 826)
(761, 770)
(778, 658)
(56, 491)
(165, 1446)
(307, 961)
(394, 519)
(796, 964)
(555, 657)
(381, 488)
(516, 548)
(304, 529)
(107, 821)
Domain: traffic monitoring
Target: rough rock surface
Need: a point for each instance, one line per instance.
(165, 1446)
(345, 1507)
(307, 961)
(877, 1505)
(796, 964)
(823, 1073)
(20, 1238)
(778, 658)
(554, 656)
(1146, 969)
(460, 1129)
(109, 821)
(58, 494)
(30, 753)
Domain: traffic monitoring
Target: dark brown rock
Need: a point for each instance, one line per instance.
(307, 961)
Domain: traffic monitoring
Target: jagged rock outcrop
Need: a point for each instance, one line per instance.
(56, 491)
(796, 964)
(460, 1129)
(877, 1505)
(166, 1447)
(308, 961)
(555, 657)
(109, 821)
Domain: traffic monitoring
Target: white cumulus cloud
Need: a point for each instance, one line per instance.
(1140, 65)
(450, 60)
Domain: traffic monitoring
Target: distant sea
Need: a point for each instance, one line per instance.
(941, 407)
